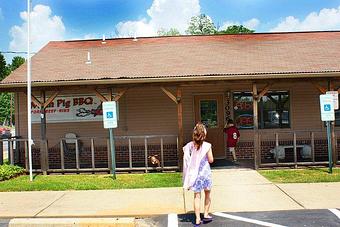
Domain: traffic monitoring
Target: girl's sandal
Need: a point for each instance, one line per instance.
(207, 220)
(197, 225)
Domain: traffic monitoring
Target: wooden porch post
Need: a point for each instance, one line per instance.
(180, 128)
(43, 143)
(257, 153)
(180, 142)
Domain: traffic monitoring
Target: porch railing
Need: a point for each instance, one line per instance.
(88, 148)
(294, 148)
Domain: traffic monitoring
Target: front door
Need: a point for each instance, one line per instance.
(209, 111)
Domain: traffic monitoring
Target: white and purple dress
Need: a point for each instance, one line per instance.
(196, 168)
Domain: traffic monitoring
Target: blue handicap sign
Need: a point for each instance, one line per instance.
(109, 114)
(327, 107)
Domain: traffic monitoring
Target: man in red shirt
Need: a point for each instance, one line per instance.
(233, 136)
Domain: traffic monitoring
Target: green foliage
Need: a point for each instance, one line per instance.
(92, 182)
(170, 32)
(236, 29)
(16, 62)
(9, 171)
(4, 69)
(6, 107)
(201, 25)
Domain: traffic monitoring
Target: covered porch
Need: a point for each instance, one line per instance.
(157, 119)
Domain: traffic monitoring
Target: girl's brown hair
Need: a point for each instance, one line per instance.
(199, 134)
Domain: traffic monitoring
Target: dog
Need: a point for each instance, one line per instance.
(154, 160)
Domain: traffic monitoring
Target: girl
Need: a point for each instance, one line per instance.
(196, 171)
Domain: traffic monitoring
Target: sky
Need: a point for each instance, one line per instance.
(88, 19)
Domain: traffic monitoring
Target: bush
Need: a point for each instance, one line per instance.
(10, 171)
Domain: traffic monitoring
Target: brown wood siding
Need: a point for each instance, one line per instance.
(147, 111)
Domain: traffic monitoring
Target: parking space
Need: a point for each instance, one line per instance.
(293, 218)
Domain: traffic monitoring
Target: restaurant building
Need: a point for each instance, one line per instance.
(268, 83)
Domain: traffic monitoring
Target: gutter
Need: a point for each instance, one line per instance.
(173, 79)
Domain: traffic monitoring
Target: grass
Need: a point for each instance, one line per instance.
(91, 182)
(308, 175)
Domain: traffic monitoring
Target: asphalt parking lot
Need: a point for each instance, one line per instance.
(294, 218)
(4, 222)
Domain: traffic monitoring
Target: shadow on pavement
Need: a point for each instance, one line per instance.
(228, 164)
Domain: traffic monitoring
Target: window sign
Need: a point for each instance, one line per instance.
(75, 108)
(243, 110)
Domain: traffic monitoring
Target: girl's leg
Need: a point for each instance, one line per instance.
(207, 202)
(197, 201)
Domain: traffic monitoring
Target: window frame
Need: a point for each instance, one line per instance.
(249, 93)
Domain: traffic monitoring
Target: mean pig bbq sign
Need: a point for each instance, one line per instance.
(75, 108)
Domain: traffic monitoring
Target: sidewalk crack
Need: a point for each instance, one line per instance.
(297, 202)
(57, 199)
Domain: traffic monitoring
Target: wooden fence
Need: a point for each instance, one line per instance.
(88, 147)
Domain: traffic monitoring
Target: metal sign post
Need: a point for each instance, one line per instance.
(110, 122)
(29, 121)
(327, 114)
(329, 145)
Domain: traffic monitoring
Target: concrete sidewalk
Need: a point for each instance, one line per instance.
(233, 190)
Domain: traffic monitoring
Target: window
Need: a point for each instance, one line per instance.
(273, 110)
(208, 112)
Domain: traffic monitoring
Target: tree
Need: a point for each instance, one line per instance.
(5, 107)
(236, 29)
(16, 62)
(170, 32)
(201, 25)
(6, 99)
(4, 69)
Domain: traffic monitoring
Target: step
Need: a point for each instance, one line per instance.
(72, 222)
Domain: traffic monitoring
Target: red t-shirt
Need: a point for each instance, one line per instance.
(232, 136)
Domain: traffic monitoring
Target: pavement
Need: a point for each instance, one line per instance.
(234, 190)
(295, 218)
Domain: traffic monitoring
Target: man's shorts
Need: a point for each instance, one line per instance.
(231, 149)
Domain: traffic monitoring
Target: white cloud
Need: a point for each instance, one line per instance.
(1, 14)
(164, 14)
(326, 19)
(44, 28)
(251, 24)
(90, 36)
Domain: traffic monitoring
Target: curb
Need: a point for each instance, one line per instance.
(72, 222)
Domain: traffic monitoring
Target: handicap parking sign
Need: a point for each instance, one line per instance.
(327, 107)
(110, 114)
